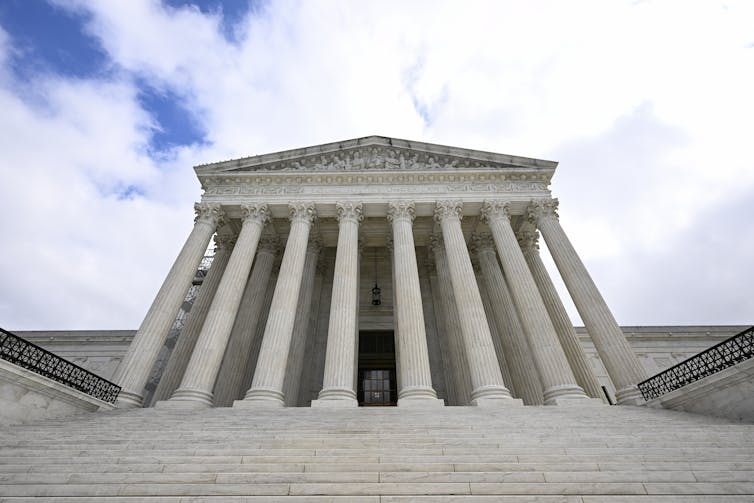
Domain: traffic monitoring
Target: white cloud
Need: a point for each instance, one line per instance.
(646, 105)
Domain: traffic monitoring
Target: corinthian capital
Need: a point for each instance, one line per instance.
(314, 246)
(302, 211)
(528, 239)
(269, 244)
(448, 209)
(224, 242)
(211, 213)
(492, 210)
(482, 243)
(544, 208)
(398, 210)
(349, 212)
(256, 213)
(436, 243)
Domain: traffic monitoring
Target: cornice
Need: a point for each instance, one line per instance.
(376, 153)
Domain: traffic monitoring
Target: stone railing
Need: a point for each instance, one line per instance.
(731, 351)
(40, 361)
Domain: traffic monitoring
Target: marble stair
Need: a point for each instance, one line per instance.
(459, 454)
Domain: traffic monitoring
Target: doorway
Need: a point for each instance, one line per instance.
(377, 383)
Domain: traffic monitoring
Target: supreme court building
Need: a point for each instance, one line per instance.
(378, 271)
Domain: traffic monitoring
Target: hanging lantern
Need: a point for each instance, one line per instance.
(376, 301)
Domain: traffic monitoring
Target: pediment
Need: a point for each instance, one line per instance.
(375, 153)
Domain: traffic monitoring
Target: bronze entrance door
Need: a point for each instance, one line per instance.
(377, 385)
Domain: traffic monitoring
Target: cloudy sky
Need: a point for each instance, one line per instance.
(105, 106)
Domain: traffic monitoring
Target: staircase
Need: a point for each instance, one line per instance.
(459, 454)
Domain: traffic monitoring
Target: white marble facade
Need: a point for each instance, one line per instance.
(450, 237)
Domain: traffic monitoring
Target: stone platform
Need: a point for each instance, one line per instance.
(460, 454)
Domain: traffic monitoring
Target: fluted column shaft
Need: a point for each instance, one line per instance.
(557, 378)
(620, 361)
(524, 374)
(250, 360)
(269, 376)
(572, 347)
(441, 324)
(416, 377)
(396, 324)
(184, 346)
(495, 332)
(301, 326)
(198, 381)
(228, 383)
(133, 372)
(338, 384)
(459, 365)
(486, 379)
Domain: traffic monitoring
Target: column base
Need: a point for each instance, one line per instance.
(262, 398)
(493, 391)
(630, 395)
(336, 398)
(566, 394)
(187, 399)
(419, 397)
(129, 400)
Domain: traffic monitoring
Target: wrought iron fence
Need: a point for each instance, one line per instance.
(731, 351)
(40, 361)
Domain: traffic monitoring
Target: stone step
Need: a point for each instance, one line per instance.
(455, 454)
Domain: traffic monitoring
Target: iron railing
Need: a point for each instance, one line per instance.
(40, 361)
(731, 351)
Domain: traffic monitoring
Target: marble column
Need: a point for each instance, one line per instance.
(396, 324)
(198, 381)
(269, 376)
(494, 331)
(557, 378)
(441, 326)
(133, 372)
(572, 347)
(620, 361)
(250, 359)
(513, 340)
(487, 383)
(341, 353)
(459, 362)
(184, 346)
(228, 382)
(301, 326)
(416, 378)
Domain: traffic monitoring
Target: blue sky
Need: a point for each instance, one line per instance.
(107, 105)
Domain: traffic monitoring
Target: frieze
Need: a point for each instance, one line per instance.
(253, 189)
(374, 158)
